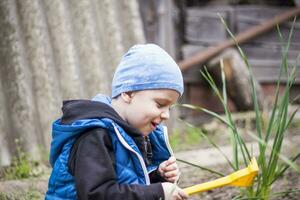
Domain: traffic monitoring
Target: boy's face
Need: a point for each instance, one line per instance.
(148, 108)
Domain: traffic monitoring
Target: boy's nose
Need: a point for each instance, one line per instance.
(165, 114)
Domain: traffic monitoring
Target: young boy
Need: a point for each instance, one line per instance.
(116, 148)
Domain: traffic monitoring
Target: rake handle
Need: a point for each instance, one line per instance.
(208, 185)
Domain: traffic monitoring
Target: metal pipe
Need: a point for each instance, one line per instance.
(242, 37)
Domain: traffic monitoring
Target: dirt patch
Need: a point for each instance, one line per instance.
(29, 189)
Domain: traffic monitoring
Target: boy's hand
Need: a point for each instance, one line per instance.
(169, 170)
(173, 192)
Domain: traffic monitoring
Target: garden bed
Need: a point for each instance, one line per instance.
(289, 182)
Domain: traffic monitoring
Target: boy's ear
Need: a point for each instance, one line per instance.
(127, 96)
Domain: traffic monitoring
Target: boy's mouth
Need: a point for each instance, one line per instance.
(154, 125)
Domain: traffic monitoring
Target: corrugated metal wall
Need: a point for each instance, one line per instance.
(52, 50)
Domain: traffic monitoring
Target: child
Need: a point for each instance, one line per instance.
(116, 148)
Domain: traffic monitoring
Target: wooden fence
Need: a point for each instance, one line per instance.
(52, 50)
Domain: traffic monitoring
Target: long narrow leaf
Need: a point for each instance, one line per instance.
(281, 172)
(291, 118)
(282, 157)
(254, 96)
(206, 111)
(213, 144)
(200, 167)
(233, 133)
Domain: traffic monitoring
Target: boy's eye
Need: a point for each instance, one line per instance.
(159, 105)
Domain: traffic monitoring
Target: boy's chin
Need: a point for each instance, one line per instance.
(146, 132)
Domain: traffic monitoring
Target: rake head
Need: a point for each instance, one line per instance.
(244, 177)
(240, 178)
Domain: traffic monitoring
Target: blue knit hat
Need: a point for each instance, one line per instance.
(146, 67)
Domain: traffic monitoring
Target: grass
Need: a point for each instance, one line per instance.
(190, 139)
(271, 161)
(22, 166)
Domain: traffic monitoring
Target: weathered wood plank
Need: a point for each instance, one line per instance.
(266, 64)
(268, 71)
(267, 52)
(205, 26)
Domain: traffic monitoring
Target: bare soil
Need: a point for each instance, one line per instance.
(212, 159)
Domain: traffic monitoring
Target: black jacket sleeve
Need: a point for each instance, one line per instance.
(92, 164)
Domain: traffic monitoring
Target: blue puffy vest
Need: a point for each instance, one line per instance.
(130, 166)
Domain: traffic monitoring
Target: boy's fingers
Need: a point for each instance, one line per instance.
(170, 174)
(171, 160)
(177, 197)
(182, 194)
(163, 165)
(171, 167)
(172, 180)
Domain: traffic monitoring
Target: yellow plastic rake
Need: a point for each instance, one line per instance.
(241, 178)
